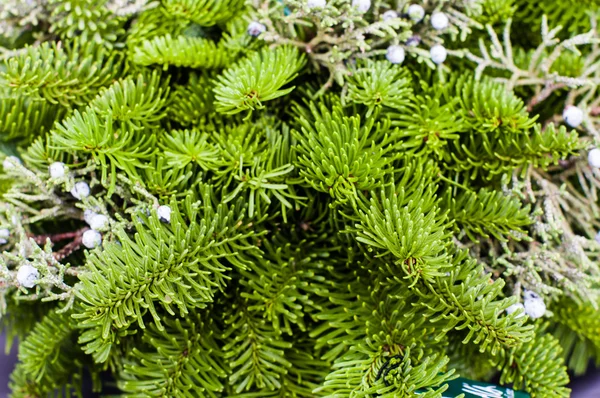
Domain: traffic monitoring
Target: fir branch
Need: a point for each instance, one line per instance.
(183, 360)
(184, 266)
(68, 75)
(255, 350)
(409, 229)
(256, 79)
(339, 155)
(191, 52)
(537, 367)
(204, 12)
(484, 213)
(43, 362)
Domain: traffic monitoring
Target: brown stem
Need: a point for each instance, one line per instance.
(70, 247)
(74, 271)
(41, 239)
(545, 93)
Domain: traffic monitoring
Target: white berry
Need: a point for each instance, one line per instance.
(413, 41)
(316, 4)
(395, 54)
(515, 307)
(27, 276)
(81, 190)
(361, 5)
(573, 116)
(389, 14)
(88, 215)
(98, 222)
(164, 213)
(535, 307)
(530, 295)
(57, 170)
(438, 54)
(594, 157)
(439, 20)
(4, 235)
(91, 238)
(10, 162)
(256, 28)
(416, 12)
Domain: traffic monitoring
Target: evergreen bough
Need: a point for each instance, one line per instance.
(286, 213)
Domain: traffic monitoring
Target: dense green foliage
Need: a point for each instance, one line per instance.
(333, 214)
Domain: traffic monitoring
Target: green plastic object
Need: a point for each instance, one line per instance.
(472, 389)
